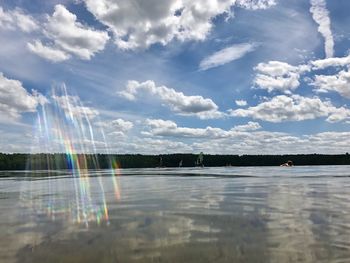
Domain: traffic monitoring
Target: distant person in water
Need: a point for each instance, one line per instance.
(289, 164)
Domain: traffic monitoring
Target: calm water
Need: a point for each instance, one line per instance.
(275, 214)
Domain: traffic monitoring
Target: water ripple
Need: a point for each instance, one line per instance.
(167, 215)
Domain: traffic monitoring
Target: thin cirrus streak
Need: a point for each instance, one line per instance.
(227, 55)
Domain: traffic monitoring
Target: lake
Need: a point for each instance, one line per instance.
(229, 214)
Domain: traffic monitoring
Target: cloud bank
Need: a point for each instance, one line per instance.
(294, 108)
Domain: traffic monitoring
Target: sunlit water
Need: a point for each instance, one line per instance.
(271, 214)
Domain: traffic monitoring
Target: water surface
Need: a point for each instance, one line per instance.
(255, 214)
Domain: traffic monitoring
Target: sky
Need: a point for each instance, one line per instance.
(175, 76)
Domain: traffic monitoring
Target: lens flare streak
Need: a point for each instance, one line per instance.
(64, 125)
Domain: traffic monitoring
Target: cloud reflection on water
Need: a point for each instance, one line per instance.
(178, 218)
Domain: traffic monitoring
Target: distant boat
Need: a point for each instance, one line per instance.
(180, 163)
(287, 164)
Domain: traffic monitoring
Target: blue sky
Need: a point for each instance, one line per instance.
(229, 76)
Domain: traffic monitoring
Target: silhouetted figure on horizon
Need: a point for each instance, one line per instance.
(199, 161)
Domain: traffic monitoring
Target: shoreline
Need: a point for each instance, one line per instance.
(61, 161)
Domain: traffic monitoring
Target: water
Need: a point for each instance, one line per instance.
(266, 214)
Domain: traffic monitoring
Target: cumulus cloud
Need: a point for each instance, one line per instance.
(331, 62)
(264, 142)
(321, 16)
(242, 140)
(256, 4)
(251, 142)
(47, 52)
(329, 142)
(169, 128)
(280, 76)
(276, 68)
(241, 103)
(17, 19)
(294, 108)
(15, 99)
(177, 101)
(122, 125)
(74, 108)
(118, 127)
(283, 77)
(226, 55)
(339, 83)
(139, 24)
(68, 36)
(160, 146)
(250, 126)
(281, 83)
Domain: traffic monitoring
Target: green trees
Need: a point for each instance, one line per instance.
(102, 161)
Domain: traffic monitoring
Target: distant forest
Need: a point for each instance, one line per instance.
(103, 161)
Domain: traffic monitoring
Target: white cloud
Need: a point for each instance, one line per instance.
(17, 19)
(160, 124)
(241, 103)
(122, 125)
(49, 53)
(264, 142)
(338, 114)
(276, 68)
(339, 83)
(139, 24)
(74, 108)
(226, 55)
(321, 16)
(14, 98)
(283, 77)
(214, 141)
(280, 76)
(281, 83)
(329, 142)
(331, 62)
(168, 128)
(252, 142)
(118, 127)
(294, 108)
(160, 146)
(256, 4)
(177, 101)
(250, 126)
(243, 139)
(69, 37)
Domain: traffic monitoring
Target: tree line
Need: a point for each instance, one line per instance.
(103, 161)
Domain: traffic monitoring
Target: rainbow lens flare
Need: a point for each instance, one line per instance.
(65, 125)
